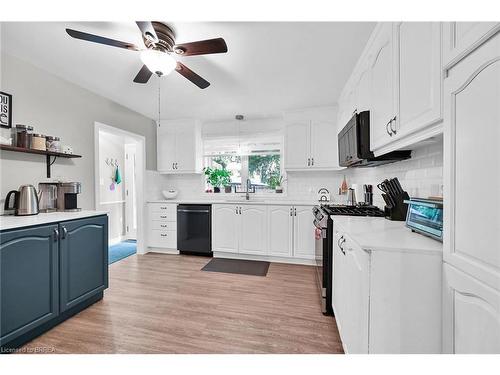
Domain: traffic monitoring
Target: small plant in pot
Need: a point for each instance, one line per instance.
(276, 183)
(218, 178)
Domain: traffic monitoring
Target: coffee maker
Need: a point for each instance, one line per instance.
(67, 193)
(47, 196)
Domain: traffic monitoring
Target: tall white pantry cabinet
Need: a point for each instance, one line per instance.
(471, 290)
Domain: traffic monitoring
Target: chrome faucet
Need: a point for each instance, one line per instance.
(249, 186)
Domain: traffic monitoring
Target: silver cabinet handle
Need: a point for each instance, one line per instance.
(236, 208)
(390, 122)
(308, 162)
(295, 211)
(387, 128)
(312, 161)
(291, 211)
(56, 234)
(240, 210)
(163, 234)
(64, 232)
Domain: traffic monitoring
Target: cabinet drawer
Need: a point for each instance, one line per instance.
(163, 225)
(165, 239)
(162, 207)
(163, 216)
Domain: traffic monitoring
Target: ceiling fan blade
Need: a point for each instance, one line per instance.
(202, 47)
(192, 76)
(143, 76)
(101, 40)
(147, 30)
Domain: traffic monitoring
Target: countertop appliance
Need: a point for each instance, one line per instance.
(47, 196)
(25, 201)
(354, 145)
(425, 216)
(67, 193)
(323, 218)
(194, 229)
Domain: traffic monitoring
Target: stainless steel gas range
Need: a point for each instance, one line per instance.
(323, 237)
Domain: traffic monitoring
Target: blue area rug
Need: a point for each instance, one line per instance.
(121, 250)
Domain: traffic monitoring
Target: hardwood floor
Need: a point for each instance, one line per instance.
(158, 303)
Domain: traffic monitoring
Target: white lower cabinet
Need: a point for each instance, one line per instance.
(162, 226)
(382, 301)
(263, 230)
(474, 314)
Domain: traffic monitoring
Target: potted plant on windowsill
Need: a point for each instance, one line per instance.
(276, 183)
(218, 178)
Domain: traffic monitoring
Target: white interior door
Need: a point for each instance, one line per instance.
(129, 180)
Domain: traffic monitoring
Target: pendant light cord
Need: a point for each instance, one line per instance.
(159, 101)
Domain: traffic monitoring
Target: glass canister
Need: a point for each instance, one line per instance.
(53, 143)
(23, 135)
(38, 142)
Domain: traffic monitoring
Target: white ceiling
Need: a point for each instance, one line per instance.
(270, 66)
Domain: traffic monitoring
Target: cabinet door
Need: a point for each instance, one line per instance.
(418, 51)
(83, 259)
(352, 304)
(382, 87)
(225, 225)
(472, 315)
(253, 229)
(472, 156)
(185, 148)
(303, 233)
(29, 280)
(297, 145)
(363, 97)
(280, 230)
(324, 143)
(460, 38)
(166, 148)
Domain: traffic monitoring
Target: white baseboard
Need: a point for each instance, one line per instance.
(267, 258)
(162, 250)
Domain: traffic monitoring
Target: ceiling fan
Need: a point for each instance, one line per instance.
(159, 40)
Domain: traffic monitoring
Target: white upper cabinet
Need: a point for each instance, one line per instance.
(311, 139)
(298, 145)
(280, 235)
(472, 136)
(460, 38)
(179, 146)
(303, 233)
(253, 229)
(323, 155)
(418, 54)
(382, 87)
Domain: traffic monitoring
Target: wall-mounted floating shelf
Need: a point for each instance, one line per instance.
(48, 154)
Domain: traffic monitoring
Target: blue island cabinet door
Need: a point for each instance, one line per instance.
(83, 259)
(29, 280)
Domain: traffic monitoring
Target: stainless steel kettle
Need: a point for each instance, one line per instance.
(25, 201)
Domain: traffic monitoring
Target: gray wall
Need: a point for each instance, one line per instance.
(57, 107)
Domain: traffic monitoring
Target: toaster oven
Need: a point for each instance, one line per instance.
(425, 216)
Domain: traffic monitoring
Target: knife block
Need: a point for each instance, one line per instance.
(398, 210)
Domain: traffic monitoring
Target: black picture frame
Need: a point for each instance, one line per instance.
(8, 107)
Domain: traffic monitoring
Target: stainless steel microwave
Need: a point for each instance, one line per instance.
(425, 216)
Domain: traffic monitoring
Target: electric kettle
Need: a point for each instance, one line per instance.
(25, 201)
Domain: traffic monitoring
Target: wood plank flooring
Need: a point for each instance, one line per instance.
(159, 303)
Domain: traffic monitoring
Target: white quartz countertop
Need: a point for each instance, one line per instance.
(377, 233)
(270, 201)
(14, 222)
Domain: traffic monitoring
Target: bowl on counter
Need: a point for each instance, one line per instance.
(169, 194)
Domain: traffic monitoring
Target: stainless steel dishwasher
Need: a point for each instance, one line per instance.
(194, 229)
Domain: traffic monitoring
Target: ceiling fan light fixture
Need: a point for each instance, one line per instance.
(158, 62)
